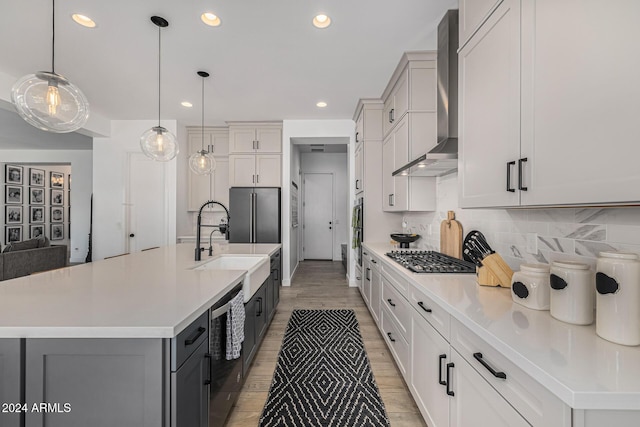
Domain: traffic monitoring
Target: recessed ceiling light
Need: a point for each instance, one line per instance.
(321, 104)
(321, 21)
(422, 165)
(186, 104)
(210, 19)
(83, 20)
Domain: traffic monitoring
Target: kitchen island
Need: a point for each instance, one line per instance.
(497, 358)
(104, 335)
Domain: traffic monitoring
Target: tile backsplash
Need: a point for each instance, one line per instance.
(577, 234)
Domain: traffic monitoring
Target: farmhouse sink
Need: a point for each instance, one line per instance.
(257, 267)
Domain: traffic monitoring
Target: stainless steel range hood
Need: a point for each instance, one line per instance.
(443, 158)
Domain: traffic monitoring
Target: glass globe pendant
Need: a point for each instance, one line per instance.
(202, 162)
(48, 101)
(158, 143)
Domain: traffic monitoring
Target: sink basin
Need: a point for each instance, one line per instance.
(258, 268)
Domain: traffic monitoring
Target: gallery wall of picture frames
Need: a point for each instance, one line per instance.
(36, 202)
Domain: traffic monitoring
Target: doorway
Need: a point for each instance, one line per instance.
(145, 202)
(318, 221)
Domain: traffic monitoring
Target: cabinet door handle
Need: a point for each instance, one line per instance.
(392, 115)
(258, 144)
(520, 186)
(497, 374)
(389, 116)
(253, 179)
(207, 358)
(449, 367)
(358, 278)
(374, 261)
(390, 301)
(257, 178)
(440, 359)
(357, 184)
(393, 200)
(390, 337)
(254, 144)
(367, 273)
(364, 253)
(259, 307)
(421, 304)
(509, 164)
(194, 337)
(357, 137)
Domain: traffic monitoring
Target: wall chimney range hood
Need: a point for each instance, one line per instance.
(443, 158)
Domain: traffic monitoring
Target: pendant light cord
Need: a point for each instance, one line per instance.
(159, 57)
(203, 114)
(53, 37)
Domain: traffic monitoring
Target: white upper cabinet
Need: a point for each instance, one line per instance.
(472, 14)
(216, 185)
(549, 104)
(242, 170)
(268, 170)
(258, 138)
(489, 114)
(359, 160)
(397, 103)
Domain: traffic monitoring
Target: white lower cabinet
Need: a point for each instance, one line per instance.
(474, 400)
(429, 357)
(366, 279)
(398, 345)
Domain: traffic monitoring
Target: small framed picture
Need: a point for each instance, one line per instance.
(57, 232)
(13, 174)
(57, 214)
(13, 214)
(36, 231)
(12, 195)
(57, 197)
(36, 177)
(57, 180)
(36, 214)
(12, 234)
(36, 196)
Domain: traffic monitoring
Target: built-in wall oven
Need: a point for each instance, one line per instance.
(358, 228)
(226, 375)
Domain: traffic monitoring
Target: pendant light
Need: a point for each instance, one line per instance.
(47, 100)
(158, 143)
(202, 162)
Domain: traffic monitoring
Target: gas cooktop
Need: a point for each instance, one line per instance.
(431, 262)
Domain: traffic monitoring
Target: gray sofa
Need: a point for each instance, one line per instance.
(22, 262)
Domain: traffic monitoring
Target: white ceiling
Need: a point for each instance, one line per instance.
(266, 59)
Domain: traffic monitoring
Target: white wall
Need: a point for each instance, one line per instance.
(295, 238)
(81, 166)
(336, 164)
(109, 185)
(310, 129)
(561, 233)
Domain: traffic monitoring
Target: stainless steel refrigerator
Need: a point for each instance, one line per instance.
(254, 215)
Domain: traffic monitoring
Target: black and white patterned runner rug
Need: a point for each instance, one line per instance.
(323, 377)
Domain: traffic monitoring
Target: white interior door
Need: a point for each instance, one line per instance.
(318, 216)
(146, 203)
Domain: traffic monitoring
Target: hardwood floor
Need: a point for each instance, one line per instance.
(322, 285)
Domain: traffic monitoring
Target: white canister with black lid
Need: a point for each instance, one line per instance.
(573, 295)
(618, 297)
(530, 286)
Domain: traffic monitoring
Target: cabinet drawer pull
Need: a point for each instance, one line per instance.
(509, 164)
(357, 180)
(207, 358)
(390, 302)
(440, 359)
(194, 337)
(520, 186)
(421, 304)
(364, 253)
(497, 374)
(374, 261)
(390, 337)
(449, 367)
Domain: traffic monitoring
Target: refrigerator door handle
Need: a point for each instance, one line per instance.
(254, 214)
(251, 218)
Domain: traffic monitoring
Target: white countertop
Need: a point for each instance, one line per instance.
(580, 368)
(151, 294)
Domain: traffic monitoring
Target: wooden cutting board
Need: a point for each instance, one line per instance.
(451, 236)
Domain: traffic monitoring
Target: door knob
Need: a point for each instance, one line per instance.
(132, 235)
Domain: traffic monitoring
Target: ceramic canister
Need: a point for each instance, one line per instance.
(573, 295)
(530, 286)
(618, 297)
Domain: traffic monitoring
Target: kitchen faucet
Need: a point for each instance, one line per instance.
(198, 256)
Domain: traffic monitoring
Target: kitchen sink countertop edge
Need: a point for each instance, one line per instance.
(580, 368)
(150, 294)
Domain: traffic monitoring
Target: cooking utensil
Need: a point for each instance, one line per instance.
(404, 239)
(451, 236)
